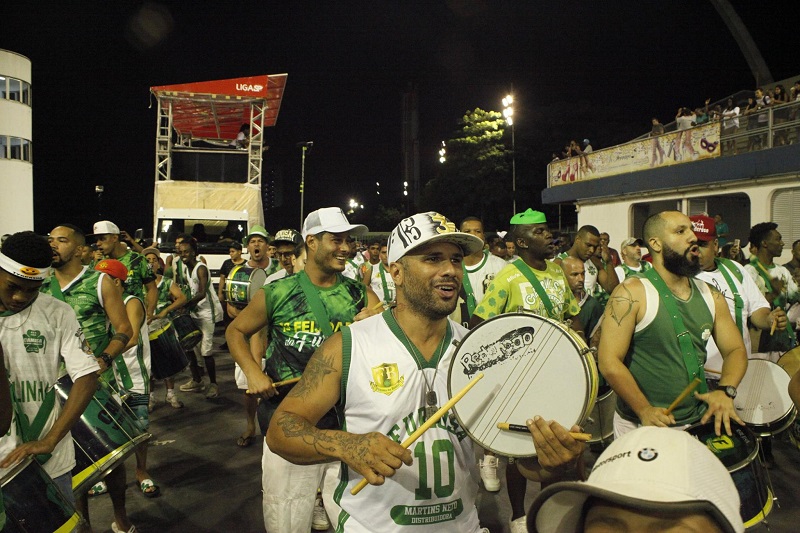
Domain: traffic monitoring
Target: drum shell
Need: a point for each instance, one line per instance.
(762, 400)
(521, 379)
(104, 435)
(33, 502)
(167, 356)
(189, 333)
(600, 422)
(739, 453)
(241, 284)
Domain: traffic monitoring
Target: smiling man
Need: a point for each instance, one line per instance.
(299, 313)
(655, 331)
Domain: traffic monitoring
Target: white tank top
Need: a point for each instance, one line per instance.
(383, 389)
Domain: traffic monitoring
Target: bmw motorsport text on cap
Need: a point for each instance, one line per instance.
(332, 220)
(424, 228)
(105, 227)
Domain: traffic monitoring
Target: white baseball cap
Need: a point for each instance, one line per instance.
(650, 469)
(105, 227)
(332, 220)
(424, 228)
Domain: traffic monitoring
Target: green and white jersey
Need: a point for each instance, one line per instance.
(480, 276)
(382, 283)
(625, 271)
(35, 341)
(209, 307)
(132, 367)
(164, 298)
(655, 359)
(139, 273)
(590, 274)
(85, 295)
(274, 266)
(383, 389)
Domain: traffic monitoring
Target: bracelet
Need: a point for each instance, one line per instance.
(106, 359)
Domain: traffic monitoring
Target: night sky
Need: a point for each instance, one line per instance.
(579, 69)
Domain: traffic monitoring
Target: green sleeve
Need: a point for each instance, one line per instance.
(495, 300)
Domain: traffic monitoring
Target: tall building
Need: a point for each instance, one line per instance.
(16, 136)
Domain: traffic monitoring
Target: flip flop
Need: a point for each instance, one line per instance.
(146, 484)
(244, 442)
(98, 489)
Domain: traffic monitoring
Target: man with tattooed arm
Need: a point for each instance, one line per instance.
(655, 331)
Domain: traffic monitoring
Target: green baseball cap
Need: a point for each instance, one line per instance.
(529, 217)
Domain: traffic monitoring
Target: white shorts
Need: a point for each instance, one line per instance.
(206, 325)
(241, 379)
(289, 492)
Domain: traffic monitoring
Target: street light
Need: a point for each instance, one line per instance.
(303, 146)
(443, 153)
(508, 113)
(353, 205)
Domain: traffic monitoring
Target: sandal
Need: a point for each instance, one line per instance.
(98, 489)
(244, 441)
(146, 484)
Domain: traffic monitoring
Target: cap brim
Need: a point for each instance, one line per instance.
(559, 508)
(352, 229)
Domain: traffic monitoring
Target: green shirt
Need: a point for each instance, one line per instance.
(511, 290)
(655, 360)
(139, 273)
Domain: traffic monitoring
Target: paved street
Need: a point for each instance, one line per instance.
(209, 484)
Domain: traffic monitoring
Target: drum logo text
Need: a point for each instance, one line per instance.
(387, 378)
(512, 345)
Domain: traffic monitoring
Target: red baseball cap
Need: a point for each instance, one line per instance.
(113, 268)
(704, 227)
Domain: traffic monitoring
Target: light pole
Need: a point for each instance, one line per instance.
(508, 113)
(303, 146)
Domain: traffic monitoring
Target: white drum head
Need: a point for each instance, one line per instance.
(762, 398)
(532, 366)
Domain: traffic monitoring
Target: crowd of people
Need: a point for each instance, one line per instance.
(342, 354)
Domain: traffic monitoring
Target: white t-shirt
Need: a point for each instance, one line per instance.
(132, 367)
(35, 341)
(752, 299)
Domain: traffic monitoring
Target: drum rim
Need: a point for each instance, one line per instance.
(782, 422)
(112, 460)
(589, 368)
(157, 333)
(250, 290)
(751, 456)
(15, 470)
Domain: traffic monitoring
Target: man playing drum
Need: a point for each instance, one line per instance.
(37, 328)
(299, 312)
(534, 283)
(655, 330)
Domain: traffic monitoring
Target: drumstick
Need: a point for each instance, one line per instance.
(377, 305)
(428, 423)
(582, 437)
(682, 396)
(279, 383)
(774, 326)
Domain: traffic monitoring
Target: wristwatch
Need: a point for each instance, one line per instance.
(107, 360)
(729, 390)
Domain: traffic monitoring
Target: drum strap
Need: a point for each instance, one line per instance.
(30, 431)
(315, 304)
(537, 286)
(690, 358)
(762, 272)
(737, 298)
(386, 295)
(468, 290)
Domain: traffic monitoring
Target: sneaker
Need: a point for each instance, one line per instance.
(319, 521)
(519, 525)
(192, 386)
(116, 528)
(213, 391)
(488, 468)
(174, 401)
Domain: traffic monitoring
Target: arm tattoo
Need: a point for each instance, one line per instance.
(318, 367)
(324, 442)
(121, 337)
(621, 304)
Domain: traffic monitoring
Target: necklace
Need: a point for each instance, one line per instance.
(431, 399)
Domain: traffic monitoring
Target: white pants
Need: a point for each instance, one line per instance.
(206, 325)
(622, 426)
(289, 492)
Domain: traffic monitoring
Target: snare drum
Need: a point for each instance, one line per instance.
(739, 454)
(166, 355)
(762, 400)
(601, 420)
(532, 366)
(189, 334)
(242, 283)
(104, 436)
(33, 502)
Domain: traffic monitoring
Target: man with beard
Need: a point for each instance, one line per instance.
(536, 284)
(383, 370)
(655, 330)
(299, 312)
(599, 270)
(632, 262)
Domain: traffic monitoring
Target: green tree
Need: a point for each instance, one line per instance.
(475, 178)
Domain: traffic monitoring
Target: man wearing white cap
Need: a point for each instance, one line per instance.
(651, 479)
(299, 313)
(37, 332)
(141, 280)
(383, 372)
